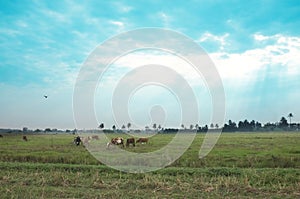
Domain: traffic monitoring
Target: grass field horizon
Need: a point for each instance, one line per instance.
(240, 165)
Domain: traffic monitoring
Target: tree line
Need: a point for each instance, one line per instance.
(230, 126)
(241, 126)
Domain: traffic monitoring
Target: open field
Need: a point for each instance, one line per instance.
(241, 165)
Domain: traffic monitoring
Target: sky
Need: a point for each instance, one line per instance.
(255, 46)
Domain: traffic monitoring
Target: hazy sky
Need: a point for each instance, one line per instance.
(255, 45)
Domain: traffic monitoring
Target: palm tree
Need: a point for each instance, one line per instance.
(290, 116)
(101, 126)
(191, 127)
(159, 127)
(154, 126)
(128, 125)
(216, 126)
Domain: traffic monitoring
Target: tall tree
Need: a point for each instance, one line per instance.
(290, 117)
(101, 126)
(283, 123)
(128, 125)
(147, 128)
(154, 126)
(159, 127)
(191, 127)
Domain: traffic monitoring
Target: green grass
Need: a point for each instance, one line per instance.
(242, 165)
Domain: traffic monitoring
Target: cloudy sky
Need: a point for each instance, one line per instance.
(255, 46)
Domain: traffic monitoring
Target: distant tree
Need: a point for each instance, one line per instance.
(270, 126)
(290, 117)
(257, 125)
(128, 125)
(25, 129)
(170, 130)
(147, 128)
(159, 127)
(216, 126)
(212, 125)
(230, 127)
(191, 127)
(113, 127)
(47, 130)
(252, 125)
(246, 125)
(154, 126)
(205, 128)
(283, 123)
(101, 126)
(123, 127)
(196, 126)
(241, 125)
(182, 126)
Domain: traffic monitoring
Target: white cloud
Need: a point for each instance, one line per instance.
(120, 25)
(283, 52)
(134, 60)
(209, 37)
(117, 23)
(260, 37)
(278, 58)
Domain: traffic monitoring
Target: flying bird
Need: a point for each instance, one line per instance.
(46, 96)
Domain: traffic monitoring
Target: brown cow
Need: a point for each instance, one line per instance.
(25, 138)
(95, 137)
(116, 141)
(130, 141)
(142, 140)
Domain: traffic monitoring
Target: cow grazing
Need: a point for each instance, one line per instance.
(142, 140)
(25, 138)
(77, 140)
(85, 140)
(95, 137)
(88, 139)
(130, 141)
(116, 141)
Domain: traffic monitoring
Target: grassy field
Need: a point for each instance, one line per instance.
(242, 165)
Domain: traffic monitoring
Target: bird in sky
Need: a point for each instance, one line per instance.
(46, 96)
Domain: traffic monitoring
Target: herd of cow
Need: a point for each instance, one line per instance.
(114, 141)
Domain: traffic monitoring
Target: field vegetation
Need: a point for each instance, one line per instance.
(241, 165)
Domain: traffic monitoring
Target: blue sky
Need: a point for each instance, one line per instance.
(255, 45)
